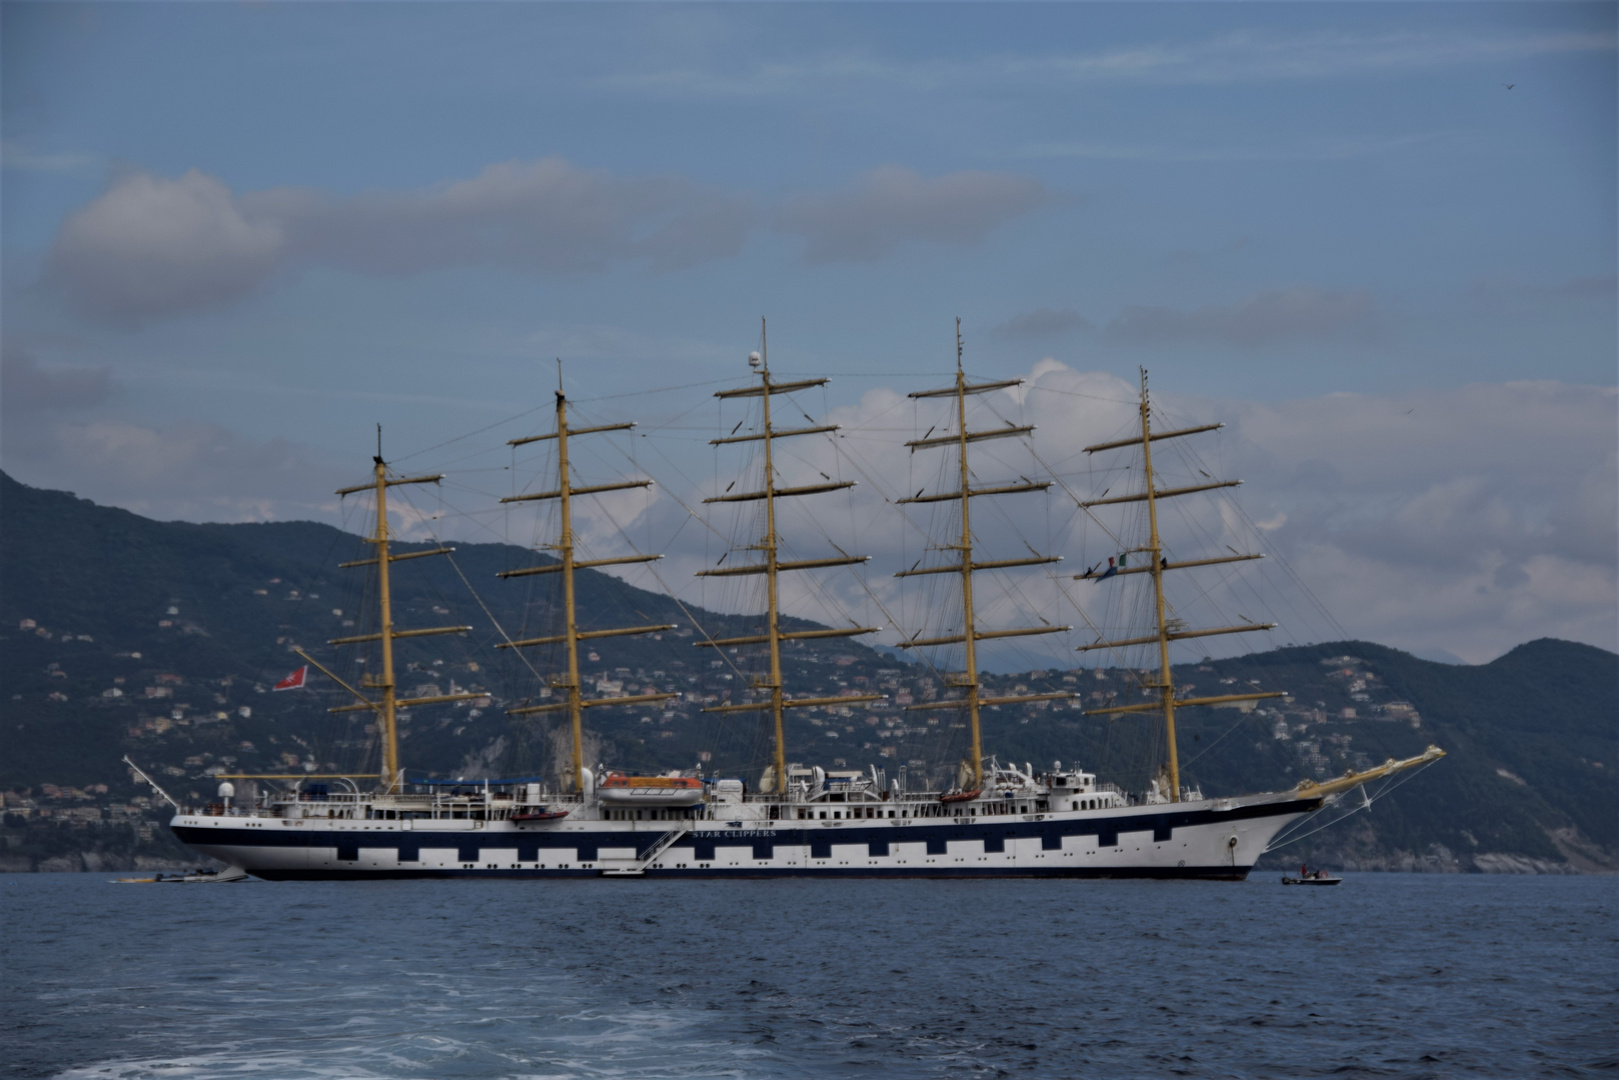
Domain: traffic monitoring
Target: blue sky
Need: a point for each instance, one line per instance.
(235, 236)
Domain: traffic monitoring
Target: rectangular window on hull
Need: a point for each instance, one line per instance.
(467, 853)
(410, 854)
(348, 852)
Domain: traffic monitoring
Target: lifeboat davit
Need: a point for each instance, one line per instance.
(621, 790)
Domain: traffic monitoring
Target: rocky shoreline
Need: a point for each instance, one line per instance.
(1440, 861)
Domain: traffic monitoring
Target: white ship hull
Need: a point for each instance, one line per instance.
(1210, 838)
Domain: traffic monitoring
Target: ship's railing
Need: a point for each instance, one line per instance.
(221, 810)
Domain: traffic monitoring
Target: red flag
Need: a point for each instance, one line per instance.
(295, 681)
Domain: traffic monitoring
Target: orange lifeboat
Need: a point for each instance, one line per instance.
(619, 789)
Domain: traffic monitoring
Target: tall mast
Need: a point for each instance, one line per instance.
(772, 568)
(772, 565)
(566, 564)
(386, 707)
(1166, 679)
(390, 732)
(971, 635)
(969, 623)
(569, 614)
(1157, 566)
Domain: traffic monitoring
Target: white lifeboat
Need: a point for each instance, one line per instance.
(617, 789)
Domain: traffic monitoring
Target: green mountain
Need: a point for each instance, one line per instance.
(120, 635)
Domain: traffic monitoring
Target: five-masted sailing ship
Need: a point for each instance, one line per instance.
(994, 821)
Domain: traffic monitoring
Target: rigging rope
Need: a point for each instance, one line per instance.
(1387, 789)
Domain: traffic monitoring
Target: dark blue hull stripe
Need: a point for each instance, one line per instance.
(1199, 873)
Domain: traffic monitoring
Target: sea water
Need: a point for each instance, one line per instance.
(1385, 975)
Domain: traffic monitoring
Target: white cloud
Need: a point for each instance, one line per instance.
(58, 434)
(26, 388)
(1467, 520)
(1506, 295)
(1458, 520)
(151, 246)
(1334, 148)
(1259, 56)
(1042, 322)
(1266, 318)
(184, 471)
(18, 157)
(892, 205)
(1239, 57)
(546, 216)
